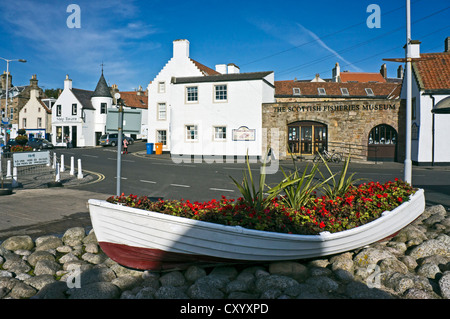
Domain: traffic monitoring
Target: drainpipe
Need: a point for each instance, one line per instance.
(432, 133)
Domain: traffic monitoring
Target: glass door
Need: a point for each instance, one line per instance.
(294, 139)
(320, 138)
(306, 138)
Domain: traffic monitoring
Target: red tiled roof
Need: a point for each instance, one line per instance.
(132, 99)
(206, 70)
(362, 77)
(309, 89)
(433, 73)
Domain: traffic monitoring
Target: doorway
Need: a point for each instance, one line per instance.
(382, 144)
(307, 137)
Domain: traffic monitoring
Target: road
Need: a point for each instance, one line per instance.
(159, 176)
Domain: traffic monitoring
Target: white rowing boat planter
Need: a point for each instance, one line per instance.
(147, 240)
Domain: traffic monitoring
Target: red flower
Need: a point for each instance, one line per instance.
(322, 225)
(400, 199)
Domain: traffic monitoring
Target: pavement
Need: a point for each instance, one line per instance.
(35, 209)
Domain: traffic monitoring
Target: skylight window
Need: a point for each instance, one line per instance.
(296, 91)
(322, 91)
(369, 92)
(344, 91)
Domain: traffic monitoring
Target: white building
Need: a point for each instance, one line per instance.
(195, 110)
(36, 115)
(80, 115)
(430, 93)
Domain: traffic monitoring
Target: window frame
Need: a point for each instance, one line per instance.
(296, 93)
(162, 87)
(345, 92)
(319, 90)
(58, 110)
(187, 134)
(39, 122)
(189, 95)
(164, 140)
(369, 92)
(103, 108)
(74, 109)
(224, 133)
(158, 116)
(215, 92)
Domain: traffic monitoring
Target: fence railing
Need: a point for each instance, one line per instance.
(55, 166)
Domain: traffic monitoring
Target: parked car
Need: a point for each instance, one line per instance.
(12, 142)
(39, 143)
(111, 139)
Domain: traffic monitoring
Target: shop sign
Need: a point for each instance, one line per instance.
(31, 158)
(244, 134)
(334, 108)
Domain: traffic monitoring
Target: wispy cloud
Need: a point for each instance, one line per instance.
(105, 36)
(326, 47)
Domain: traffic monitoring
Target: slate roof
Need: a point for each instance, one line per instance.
(333, 89)
(102, 89)
(433, 73)
(84, 96)
(221, 77)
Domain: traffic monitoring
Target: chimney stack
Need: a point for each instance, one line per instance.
(3, 80)
(181, 48)
(67, 83)
(34, 81)
(400, 72)
(233, 68)
(447, 44)
(337, 73)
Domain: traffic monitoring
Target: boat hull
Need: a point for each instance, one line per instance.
(147, 240)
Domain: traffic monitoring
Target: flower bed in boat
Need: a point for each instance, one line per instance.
(357, 206)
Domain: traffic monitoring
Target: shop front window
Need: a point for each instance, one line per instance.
(307, 137)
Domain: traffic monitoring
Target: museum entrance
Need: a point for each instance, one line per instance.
(382, 144)
(306, 137)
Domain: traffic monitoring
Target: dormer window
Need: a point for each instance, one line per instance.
(369, 92)
(344, 91)
(296, 91)
(322, 91)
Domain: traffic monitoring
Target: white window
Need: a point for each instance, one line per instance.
(322, 91)
(58, 110)
(162, 111)
(74, 109)
(191, 133)
(191, 94)
(24, 123)
(296, 91)
(161, 137)
(369, 92)
(161, 87)
(39, 122)
(220, 133)
(220, 93)
(344, 91)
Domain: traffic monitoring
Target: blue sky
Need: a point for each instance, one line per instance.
(295, 39)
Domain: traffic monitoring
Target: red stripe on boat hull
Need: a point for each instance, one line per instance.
(154, 259)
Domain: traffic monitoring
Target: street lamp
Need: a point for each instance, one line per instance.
(7, 84)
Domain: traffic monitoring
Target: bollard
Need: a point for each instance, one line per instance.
(54, 160)
(57, 174)
(14, 182)
(62, 168)
(80, 172)
(72, 166)
(8, 170)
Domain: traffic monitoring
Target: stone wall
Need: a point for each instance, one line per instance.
(349, 122)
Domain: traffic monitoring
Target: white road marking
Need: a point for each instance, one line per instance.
(144, 181)
(94, 156)
(178, 185)
(121, 177)
(221, 189)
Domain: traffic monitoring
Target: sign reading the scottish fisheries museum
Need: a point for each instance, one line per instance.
(334, 108)
(244, 134)
(31, 158)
